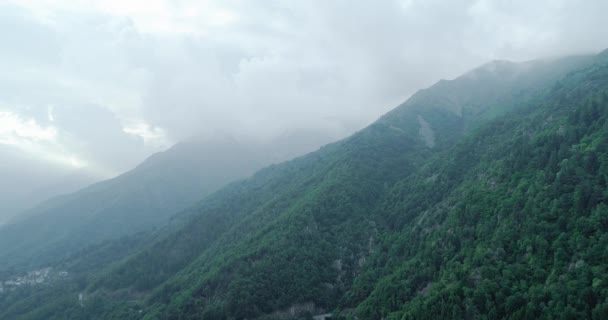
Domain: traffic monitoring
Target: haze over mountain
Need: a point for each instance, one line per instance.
(102, 85)
(312, 159)
(470, 199)
(33, 181)
(140, 199)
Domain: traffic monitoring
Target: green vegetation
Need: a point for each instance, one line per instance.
(136, 201)
(503, 216)
(517, 225)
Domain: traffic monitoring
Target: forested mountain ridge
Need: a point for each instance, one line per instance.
(341, 186)
(516, 226)
(428, 213)
(138, 200)
(485, 92)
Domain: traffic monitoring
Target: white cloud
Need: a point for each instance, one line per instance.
(127, 78)
(40, 141)
(14, 128)
(152, 136)
(149, 16)
(50, 114)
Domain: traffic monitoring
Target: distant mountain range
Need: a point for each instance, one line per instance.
(28, 182)
(138, 200)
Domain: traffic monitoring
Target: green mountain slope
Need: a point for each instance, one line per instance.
(135, 201)
(313, 249)
(517, 225)
(470, 200)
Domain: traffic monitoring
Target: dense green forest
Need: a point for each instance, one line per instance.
(483, 197)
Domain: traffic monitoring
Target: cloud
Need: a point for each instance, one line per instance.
(119, 80)
(151, 135)
(13, 129)
(30, 137)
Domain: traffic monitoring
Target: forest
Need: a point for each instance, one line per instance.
(503, 216)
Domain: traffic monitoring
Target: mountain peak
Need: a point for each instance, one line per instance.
(494, 68)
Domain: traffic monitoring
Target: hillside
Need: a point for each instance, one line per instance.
(138, 200)
(480, 197)
(29, 182)
(509, 224)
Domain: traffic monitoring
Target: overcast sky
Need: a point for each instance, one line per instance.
(103, 84)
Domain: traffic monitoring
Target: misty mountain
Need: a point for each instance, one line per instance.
(480, 197)
(135, 201)
(29, 182)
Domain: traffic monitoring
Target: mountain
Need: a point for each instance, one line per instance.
(482, 197)
(28, 182)
(138, 200)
